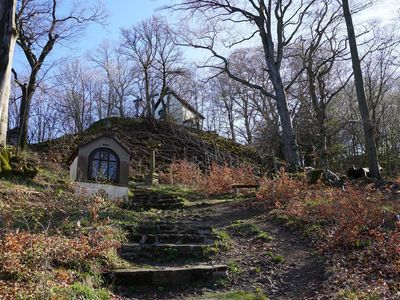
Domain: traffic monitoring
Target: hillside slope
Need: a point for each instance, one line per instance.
(176, 143)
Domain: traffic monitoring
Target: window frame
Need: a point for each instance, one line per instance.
(90, 163)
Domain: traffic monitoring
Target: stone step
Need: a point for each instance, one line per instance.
(151, 194)
(156, 203)
(162, 206)
(171, 228)
(155, 200)
(148, 200)
(163, 252)
(167, 277)
(157, 206)
(172, 238)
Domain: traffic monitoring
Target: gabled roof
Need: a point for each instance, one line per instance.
(185, 103)
(75, 153)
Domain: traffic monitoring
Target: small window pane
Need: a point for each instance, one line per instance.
(104, 165)
(104, 155)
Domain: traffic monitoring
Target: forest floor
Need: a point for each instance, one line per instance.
(263, 257)
(294, 241)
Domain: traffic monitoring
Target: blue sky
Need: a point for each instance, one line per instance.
(124, 13)
(121, 13)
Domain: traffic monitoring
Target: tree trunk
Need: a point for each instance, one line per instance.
(8, 38)
(370, 146)
(24, 112)
(149, 112)
(289, 138)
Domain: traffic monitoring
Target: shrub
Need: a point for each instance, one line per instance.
(182, 172)
(22, 254)
(218, 180)
(354, 226)
(350, 213)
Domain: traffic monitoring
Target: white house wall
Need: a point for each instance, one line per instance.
(175, 110)
(113, 192)
(187, 114)
(178, 113)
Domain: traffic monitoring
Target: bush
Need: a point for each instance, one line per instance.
(182, 172)
(218, 180)
(350, 213)
(354, 226)
(22, 254)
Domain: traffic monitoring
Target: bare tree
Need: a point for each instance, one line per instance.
(140, 44)
(322, 56)
(369, 135)
(381, 74)
(41, 26)
(46, 117)
(276, 23)
(119, 79)
(150, 45)
(222, 91)
(7, 43)
(77, 89)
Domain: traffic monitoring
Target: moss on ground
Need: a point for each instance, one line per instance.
(249, 230)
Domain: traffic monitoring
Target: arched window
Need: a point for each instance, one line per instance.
(103, 165)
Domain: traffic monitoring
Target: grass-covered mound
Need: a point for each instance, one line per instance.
(176, 143)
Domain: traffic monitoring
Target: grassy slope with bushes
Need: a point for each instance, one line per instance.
(53, 244)
(356, 228)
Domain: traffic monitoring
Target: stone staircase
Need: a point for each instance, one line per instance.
(169, 255)
(143, 199)
(166, 242)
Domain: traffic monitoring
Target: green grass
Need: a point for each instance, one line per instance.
(388, 208)
(234, 268)
(278, 259)
(210, 250)
(224, 240)
(81, 291)
(357, 295)
(116, 262)
(120, 216)
(245, 229)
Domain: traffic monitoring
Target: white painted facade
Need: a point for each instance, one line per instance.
(177, 112)
(113, 192)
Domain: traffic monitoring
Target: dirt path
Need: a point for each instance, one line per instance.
(285, 267)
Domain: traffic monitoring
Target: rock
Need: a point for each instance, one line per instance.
(313, 175)
(25, 167)
(354, 173)
(326, 176)
(331, 178)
